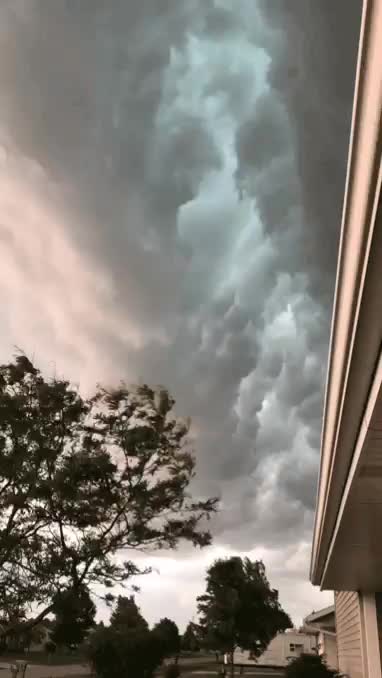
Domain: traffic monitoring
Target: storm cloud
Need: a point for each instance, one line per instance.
(171, 184)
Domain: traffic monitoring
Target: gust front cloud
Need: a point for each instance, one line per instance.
(171, 191)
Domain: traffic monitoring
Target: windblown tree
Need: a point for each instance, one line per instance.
(239, 608)
(82, 480)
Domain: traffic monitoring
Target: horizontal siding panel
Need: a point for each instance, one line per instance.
(348, 626)
(351, 642)
(348, 608)
(349, 648)
(347, 633)
(349, 621)
(352, 637)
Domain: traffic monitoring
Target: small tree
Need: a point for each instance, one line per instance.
(190, 639)
(239, 609)
(127, 616)
(74, 616)
(84, 479)
(310, 666)
(169, 635)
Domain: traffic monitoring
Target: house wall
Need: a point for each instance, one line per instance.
(279, 652)
(327, 648)
(349, 635)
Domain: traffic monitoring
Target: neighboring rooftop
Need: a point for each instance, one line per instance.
(324, 618)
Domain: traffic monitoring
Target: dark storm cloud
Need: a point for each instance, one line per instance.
(84, 84)
(313, 74)
(199, 153)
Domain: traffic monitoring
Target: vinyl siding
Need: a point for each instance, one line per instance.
(279, 649)
(349, 641)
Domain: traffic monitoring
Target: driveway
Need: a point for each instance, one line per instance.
(251, 672)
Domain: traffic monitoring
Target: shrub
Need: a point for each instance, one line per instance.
(172, 671)
(130, 653)
(50, 647)
(310, 666)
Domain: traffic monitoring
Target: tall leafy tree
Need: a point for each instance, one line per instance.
(169, 635)
(82, 479)
(239, 608)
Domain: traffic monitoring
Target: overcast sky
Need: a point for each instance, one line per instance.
(171, 180)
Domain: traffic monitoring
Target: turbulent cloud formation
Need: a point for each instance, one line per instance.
(171, 180)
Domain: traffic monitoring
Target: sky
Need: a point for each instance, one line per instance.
(171, 184)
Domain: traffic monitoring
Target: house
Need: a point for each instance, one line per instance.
(323, 625)
(281, 650)
(33, 640)
(40, 637)
(347, 543)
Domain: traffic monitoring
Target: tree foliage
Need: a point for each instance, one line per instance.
(310, 666)
(126, 616)
(84, 478)
(169, 635)
(239, 608)
(74, 616)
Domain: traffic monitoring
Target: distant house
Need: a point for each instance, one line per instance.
(281, 650)
(323, 625)
(40, 638)
(32, 640)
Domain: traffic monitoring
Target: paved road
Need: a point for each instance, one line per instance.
(51, 671)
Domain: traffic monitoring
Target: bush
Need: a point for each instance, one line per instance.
(132, 653)
(172, 671)
(310, 666)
